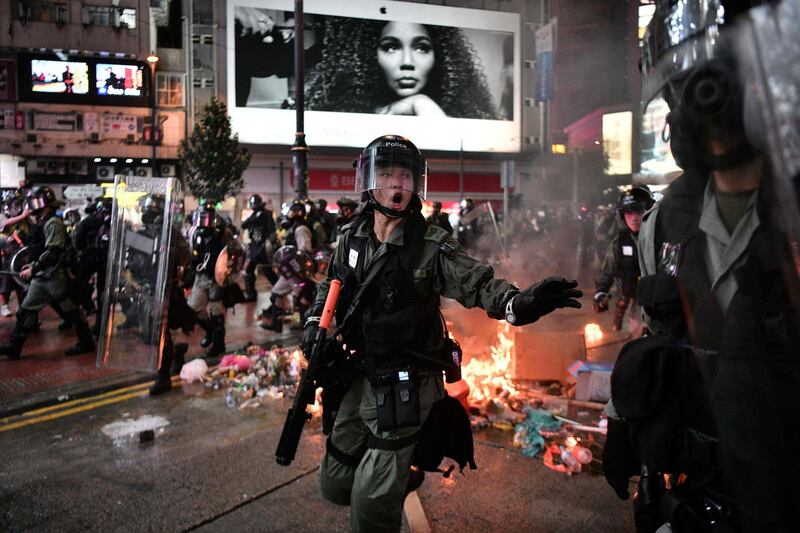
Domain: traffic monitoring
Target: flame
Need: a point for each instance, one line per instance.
(592, 333)
(299, 364)
(487, 377)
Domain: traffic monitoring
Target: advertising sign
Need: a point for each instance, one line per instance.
(437, 75)
(61, 77)
(119, 80)
(544, 63)
(656, 158)
(618, 142)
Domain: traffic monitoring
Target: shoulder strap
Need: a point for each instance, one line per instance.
(374, 271)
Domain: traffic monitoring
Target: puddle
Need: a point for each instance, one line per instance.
(131, 429)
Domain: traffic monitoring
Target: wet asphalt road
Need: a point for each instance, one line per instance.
(212, 468)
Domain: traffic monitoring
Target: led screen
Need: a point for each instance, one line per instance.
(656, 158)
(119, 80)
(59, 77)
(444, 77)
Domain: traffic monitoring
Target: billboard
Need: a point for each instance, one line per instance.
(618, 142)
(115, 79)
(437, 75)
(657, 163)
(59, 77)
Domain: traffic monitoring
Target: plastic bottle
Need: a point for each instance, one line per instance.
(230, 401)
(568, 459)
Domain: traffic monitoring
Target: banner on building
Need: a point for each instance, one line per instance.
(544, 62)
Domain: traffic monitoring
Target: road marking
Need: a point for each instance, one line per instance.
(74, 410)
(415, 514)
(72, 407)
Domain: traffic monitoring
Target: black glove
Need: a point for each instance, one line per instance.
(619, 458)
(309, 334)
(542, 298)
(601, 301)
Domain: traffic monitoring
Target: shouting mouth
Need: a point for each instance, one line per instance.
(397, 198)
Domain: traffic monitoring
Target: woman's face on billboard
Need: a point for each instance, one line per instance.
(405, 54)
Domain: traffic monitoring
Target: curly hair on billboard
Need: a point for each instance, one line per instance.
(371, 66)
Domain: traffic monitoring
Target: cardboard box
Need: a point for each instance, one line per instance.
(593, 386)
(545, 356)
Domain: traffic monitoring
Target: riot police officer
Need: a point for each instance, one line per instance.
(179, 314)
(621, 260)
(90, 240)
(469, 228)
(347, 210)
(208, 299)
(440, 219)
(260, 227)
(397, 327)
(48, 276)
(714, 256)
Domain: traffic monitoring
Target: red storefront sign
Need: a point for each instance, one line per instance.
(438, 182)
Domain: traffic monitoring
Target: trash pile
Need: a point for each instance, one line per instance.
(256, 375)
(535, 413)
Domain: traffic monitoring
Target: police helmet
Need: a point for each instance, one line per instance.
(467, 204)
(255, 201)
(71, 217)
(152, 206)
(322, 205)
(39, 197)
(688, 60)
(437, 206)
(391, 151)
(206, 213)
(298, 210)
(637, 198)
(293, 263)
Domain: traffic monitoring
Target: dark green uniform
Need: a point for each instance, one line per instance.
(50, 284)
(375, 481)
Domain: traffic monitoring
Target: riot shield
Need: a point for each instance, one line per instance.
(138, 272)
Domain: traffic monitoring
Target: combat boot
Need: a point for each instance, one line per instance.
(217, 347)
(162, 384)
(85, 342)
(13, 348)
(250, 294)
(178, 359)
(206, 325)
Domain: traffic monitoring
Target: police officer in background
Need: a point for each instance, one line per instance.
(327, 219)
(179, 314)
(14, 232)
(440, 219)
(468, 224)
(714, 254)
(48, 277)
(621, 260)
(398, 325)
(347, 210)
(91, 245)
(260, 227)
(208, 299)
(297, 224)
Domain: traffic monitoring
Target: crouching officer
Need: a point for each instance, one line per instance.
(621, 261)
(260, 226)
(395, 328)
(48, 276)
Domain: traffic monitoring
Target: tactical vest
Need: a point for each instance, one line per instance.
(396, 313)
(206, 245)
(290, 239)
(627, 262)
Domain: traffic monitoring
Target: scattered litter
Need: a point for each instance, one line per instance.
(194, 370)
(257, 375)
(63, 398)
(142, 428)
(526, 434)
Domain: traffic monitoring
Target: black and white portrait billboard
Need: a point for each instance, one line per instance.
(441, 76)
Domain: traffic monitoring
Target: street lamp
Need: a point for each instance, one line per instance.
(152, 59)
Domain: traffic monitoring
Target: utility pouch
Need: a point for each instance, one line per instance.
(452, 356)
(397, 400)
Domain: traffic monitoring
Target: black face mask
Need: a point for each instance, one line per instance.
(707, 104)
(151, 218)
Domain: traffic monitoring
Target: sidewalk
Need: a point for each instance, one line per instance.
(44, 375)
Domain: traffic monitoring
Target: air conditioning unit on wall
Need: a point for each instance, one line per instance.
(167, 170)
(144, 172)
(105, 173)
(78, 166)
(36, 166)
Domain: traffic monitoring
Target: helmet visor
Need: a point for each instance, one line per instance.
(391, 168)
(205, 219)
(678, 40)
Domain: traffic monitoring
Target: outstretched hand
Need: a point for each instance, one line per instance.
(545, 297)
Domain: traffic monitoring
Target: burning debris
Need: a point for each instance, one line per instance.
(534, 412)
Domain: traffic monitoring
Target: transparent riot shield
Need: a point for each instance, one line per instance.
(140, 253)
